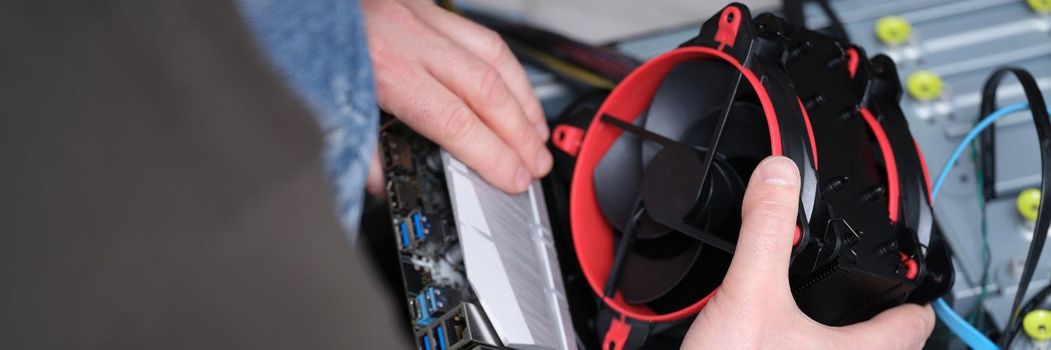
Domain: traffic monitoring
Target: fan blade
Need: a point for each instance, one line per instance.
(616, 179)
(670, 190)
(745, 140)
(701, 278)
(649, 229)
(703, 236)
(638, 131)
(717, 134)
(647, 277)
(618, 176)
(691, 91)
(627, 241)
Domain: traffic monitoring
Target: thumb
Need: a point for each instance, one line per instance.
(760, 262)
(903, 327)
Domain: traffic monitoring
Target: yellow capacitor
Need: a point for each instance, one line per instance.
(924, 85)
(894, 30)
(1037, 324)
(1029, 203)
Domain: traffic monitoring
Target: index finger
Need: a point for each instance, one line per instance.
(486, 92)
(439, 115)
(489, 46)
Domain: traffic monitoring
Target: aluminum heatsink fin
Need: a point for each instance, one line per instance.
(510, 260)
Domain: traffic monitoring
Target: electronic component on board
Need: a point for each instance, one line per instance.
(478, 264)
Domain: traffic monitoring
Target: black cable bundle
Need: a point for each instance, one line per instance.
(1043, 130)
(794, 13)
(1035, 302)
(586, 66)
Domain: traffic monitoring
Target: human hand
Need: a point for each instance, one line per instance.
(456, 83)
(754, 308)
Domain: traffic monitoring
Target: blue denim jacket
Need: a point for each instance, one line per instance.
(319, 48)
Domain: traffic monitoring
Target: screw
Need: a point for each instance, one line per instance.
(814, 101)
(799, 50)
(836, 183)
(849, 113)
(874, 193)
(889, 248)
(835, 62)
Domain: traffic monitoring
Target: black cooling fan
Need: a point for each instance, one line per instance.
(661, 172)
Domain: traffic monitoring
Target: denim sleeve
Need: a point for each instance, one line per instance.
(318, 47)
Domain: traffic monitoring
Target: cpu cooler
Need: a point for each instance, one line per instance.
(661, 169)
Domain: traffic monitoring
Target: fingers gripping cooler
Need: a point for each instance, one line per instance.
(661, 171)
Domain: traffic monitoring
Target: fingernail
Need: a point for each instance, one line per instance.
(543, 161)
(543, 130)
(522, 178)
(778, 170)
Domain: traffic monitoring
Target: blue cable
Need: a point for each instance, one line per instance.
(970, 336)
(984, 124)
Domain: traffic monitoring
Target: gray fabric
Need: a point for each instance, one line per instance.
(160, 189)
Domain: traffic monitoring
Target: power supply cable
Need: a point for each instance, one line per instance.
(1038, 299)
(575, 62)
(1042, 123)
(1043, 219)
(987, 158)
(449, 5)
(835, 25)
(794, 12)
(560, 67)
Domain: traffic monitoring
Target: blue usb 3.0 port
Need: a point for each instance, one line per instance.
(441, 337)
(404, 231)
(430, 297)
(426, 340)
(424, 307)
(417, 224)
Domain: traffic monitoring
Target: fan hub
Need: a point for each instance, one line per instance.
(671, 186)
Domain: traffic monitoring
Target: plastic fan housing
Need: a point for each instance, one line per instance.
(660, 173)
